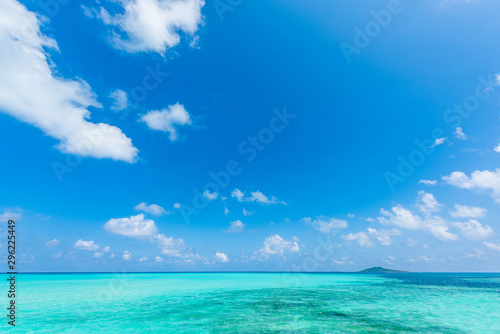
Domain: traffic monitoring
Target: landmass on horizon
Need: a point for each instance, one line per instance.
(382, 270)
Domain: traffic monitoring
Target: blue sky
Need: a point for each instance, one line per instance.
(345, 135)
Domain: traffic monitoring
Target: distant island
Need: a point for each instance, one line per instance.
(381, 270)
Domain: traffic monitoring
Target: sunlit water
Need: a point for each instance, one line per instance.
(257, 303)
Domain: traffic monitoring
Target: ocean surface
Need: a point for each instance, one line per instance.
(256, 303)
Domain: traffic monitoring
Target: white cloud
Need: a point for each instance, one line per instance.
(465, 211)
(177, 206)
(127, 256)
(167, 120)
(226, 211)
(497, 148)
(235, 227)
(428, 182)
(364, 238)
(210, 196)
(135, 226)
(439, 141)
(479, 180)
(10, 215)
(30, 92)
(97, 254)
(276, 245)
(170, 246)
(326, 225)
(106, 249)
(158, 259)
(459, 133)
(152, 25)
(474, 230)
(247, 213)
(138, 227)
(221, 257)
(52, 243)
(405, 219)
(120, 100)
(238, 194)
(255, 196)
(153, 209)
(143, 259)
(426, 203)
(492, 245)
(86, 245)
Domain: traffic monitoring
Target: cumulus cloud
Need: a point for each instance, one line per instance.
(177, 206)
(158, 259)
(276, 245)
(474, 230)
(235, 227)
(106, 249)
(52, 243)
(221, 257)
(127, 256)
(210, 196)
(135, 226)
(404, 218)
(238, 194)
(497, 148)
(479, 180)
(365, 238)
(426, 203)
(120, 100)
(428, 182)
(459, 133)
(153, 209)
(86, 245)
(170, 246)
(167, 120)
(151, 25)
(326, 225)
(138, 227)
(465, 211)
(255, 196)
(143, 259)
(30, 92)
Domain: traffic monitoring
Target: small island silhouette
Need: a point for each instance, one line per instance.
(381, 270)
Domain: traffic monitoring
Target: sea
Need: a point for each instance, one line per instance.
(255, 303)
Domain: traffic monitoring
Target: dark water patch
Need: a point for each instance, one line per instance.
(481, 281)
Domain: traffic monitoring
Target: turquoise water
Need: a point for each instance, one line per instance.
(257, 303)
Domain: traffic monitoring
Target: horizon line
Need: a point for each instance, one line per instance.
(247, 272)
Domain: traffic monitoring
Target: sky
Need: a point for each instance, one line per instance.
(153, 135)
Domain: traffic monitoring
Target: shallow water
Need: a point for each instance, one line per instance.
(257, 303)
